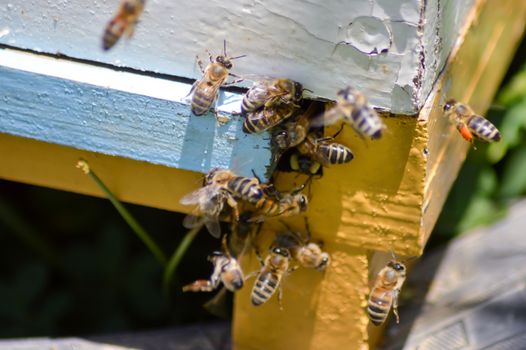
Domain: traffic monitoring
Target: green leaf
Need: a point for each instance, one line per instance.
(513, 122)
(514, 174)
(480, 212)
(514, 90)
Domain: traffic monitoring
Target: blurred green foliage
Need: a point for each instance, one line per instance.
(494, 175)
(69, 265)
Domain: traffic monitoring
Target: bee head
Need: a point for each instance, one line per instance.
(303, 202)
(224, 61)
(349, 93)
(298, 91)
(450, 103)
(284, 252)
(397, 266)
(212, 257)
(281, 138)
(324, 262)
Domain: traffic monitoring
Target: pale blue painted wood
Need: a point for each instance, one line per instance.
(124, 124)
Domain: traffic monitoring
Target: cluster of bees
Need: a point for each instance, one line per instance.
(276, 105)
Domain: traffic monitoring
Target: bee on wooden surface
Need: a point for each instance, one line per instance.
(248, 189)
(124, 21)
(226, 270)
(269, 93)
(273, 268)
(469, 124)
(206, 90)
(294, 131)
(274, 204)
(308, 254)
(384, 293)
(352, 107)
(324, 151)
(210, 201)
(266, 118)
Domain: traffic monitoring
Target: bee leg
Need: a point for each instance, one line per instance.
(210, 56)
(200, 64)
(395, 305)
(280, 297)
(258, 256)
(234, 82)
(199, 286)
(191, 90)
(307, 229)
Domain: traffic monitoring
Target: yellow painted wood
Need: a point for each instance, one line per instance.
(385, 201)
(50, 165)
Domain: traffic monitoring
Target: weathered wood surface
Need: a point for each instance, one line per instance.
(387, 50)
(387, 200)
(468, 295)
(121, 114)
(197, 337)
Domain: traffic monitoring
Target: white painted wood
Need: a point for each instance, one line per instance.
(392, 49)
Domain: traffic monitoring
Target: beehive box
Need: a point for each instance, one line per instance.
(124, 111)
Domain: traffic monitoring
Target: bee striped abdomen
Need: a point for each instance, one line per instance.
(112, 34)
(367, 122)
(379, 306)
(483, 129)
(201, 102)
(246, 188)
(264, 288)
(248, 106)
(335, 153)
(268, 206)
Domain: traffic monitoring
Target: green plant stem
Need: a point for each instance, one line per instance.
(177, 256)
(126, 215)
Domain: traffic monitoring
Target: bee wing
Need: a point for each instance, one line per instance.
(192, 220)
(195, 197)
(217, 306)
(329, 117)
(213, 227)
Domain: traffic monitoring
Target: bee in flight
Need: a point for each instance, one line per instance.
(226, 270)
(205, 91)
(352, 107)
(385, 291)
(469, 124)
(269, 93)
(268, 279)
(308, 254)
(266, 118)
(125, 20)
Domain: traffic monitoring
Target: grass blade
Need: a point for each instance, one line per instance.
(126, 215)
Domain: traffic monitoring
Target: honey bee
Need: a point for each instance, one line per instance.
(293, 132)
(248, 189)
(269, 93)
(352, 107)
(267, 118)
(469, 124)
(274, 204)
(210, 201)
(124, 21)
(324, 151)
(226, 270)
(268, 279)
(308, 254)
(205, 91)
(384, 293)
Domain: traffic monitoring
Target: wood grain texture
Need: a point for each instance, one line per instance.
(386, 49)
(120, 123)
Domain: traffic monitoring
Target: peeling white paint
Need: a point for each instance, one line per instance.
(292, 38)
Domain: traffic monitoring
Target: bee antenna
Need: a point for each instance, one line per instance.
(309, 90)
(224, 245)
(235, 58)
(224, 47)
